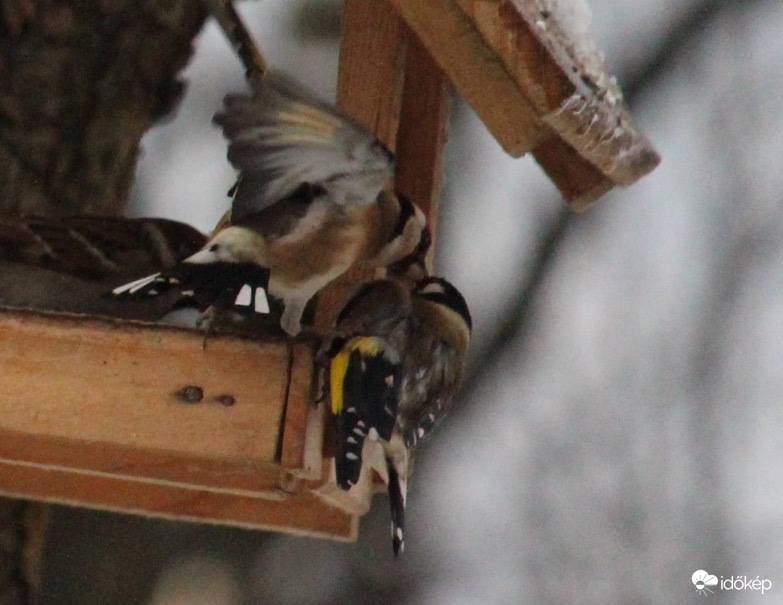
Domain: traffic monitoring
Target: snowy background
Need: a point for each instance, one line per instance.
(621, 426)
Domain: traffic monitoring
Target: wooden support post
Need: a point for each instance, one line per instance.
(369, 89)
(372, 60)
(390, 84)
(422, 130)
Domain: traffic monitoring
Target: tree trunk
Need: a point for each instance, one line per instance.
(80, 83)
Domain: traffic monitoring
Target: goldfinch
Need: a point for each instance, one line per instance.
(396, 359)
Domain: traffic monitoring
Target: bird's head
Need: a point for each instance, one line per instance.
(230, 245)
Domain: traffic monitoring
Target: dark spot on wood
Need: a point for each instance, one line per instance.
(190, 394)
(226, 400)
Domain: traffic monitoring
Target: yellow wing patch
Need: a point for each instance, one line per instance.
(367, 346)
(337, 377)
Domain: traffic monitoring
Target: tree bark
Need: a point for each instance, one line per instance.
(80, 83)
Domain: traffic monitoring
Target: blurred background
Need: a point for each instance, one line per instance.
(620, 427)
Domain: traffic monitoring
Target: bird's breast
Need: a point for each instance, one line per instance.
(318, 249)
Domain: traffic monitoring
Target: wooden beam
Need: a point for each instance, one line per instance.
(568, 94)
(302, 513)
(303, 427)
(475, 71)
(422, 130)
(535, 91)
(578, 181)
(372, 59)
(369, 89)
(121, 384)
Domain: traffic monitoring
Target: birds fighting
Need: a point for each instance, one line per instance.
(311, 200)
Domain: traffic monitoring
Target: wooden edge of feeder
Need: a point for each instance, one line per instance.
(567, 85)
(475, 71)
(302, 514)
(94, 414)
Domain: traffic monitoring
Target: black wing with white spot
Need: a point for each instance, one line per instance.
(370, 394)
(219, 284)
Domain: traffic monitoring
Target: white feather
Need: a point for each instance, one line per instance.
(262, 303)
(134, 286)
(244, 296)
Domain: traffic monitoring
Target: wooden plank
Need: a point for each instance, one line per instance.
(146, 466)
(300, 438)
(90, 416)
(475, 71)
(116, 383)
(100, 396)
(578, 181)
(521, 75)
(527, 61)
(572, 97)
(370, 76)
(301, 514)
(315, 442)
(422, 130)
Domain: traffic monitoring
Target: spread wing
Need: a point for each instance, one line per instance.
(282, 137)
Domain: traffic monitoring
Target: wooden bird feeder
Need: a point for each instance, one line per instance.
(138, 418)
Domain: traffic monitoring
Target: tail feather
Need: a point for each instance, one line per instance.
(397, 496)
(150, 286)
